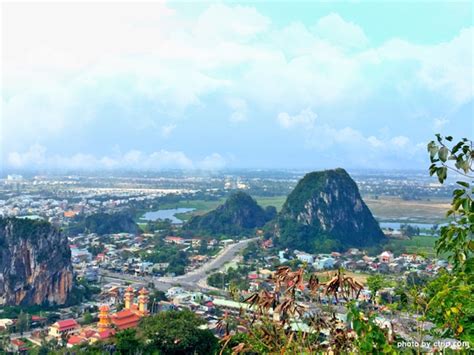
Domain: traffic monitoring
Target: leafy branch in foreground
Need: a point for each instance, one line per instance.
(451, 304)
(456, 237)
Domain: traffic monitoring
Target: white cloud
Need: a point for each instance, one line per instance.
(166, 130)
(305, 119)
(36, 157)
(239, 110)
(212, 162)
(131, 56)
(340, 32)
(439, 123)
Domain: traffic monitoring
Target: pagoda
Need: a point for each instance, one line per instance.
(143, 302)
(104, 319)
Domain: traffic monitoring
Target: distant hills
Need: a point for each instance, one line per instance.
(326, 212)
(240, 214)
(104, 223)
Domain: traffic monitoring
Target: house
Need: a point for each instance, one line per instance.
(75, 340)
(213, 242)
(175, 240)
(173, 291)
(62, 328)
(304, 257)
(353, 251)
(281, 255)
(226, 242)
(386, 257)
(324, 263)
(267, 244)
(18, 346)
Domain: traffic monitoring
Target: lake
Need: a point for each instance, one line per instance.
(166, 214)
(396, 225)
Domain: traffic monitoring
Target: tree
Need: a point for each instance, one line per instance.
(451, 305)
(375, 283)
(127, 342)
(88, 319)
(457, 237)
(203, 247)
(22, 323)
(177, 332)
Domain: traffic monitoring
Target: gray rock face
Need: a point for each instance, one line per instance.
(35, 263)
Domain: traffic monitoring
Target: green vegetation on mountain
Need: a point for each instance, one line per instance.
(326, 212)
(104, 223)
(239, 215)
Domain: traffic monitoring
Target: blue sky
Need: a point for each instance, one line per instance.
(221, 85)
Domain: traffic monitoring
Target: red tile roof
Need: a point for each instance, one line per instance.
(75, 339)
(66, 324)
(18, 342)
(125, 319)
(106, 334)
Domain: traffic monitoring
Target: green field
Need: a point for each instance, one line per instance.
(396, 209)
(417, 244)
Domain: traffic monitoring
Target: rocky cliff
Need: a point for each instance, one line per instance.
(238, 215)
(35, 263)
(326, 212)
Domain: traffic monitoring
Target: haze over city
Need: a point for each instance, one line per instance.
(155, 86)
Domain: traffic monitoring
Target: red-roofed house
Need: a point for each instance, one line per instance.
(125, 319)
(75, 340)
(64, 327)
(18, 345)
(175, 240)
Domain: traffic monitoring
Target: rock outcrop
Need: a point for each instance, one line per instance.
(326, 212)
(35, 263)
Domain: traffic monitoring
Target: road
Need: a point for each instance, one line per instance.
(191, 280)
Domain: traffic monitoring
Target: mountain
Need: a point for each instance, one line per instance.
(326, 212)
(238, 215)
(104, 223)
(35, 263)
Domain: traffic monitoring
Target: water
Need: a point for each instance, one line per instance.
(396, 225)
(166, 214)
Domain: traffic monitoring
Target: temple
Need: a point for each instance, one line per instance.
(130, 316)
(135, 308)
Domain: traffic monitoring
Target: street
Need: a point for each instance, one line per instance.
(190, 281)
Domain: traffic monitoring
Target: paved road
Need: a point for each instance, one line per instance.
(223, 257)
(188, 281)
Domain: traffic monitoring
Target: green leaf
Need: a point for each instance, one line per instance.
(463, 183)
(443, 154)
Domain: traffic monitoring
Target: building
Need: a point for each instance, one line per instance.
(104, 319)
(304, 257)
(324, 263)
(63, 328)
(130, 316)
(18, 346)
(175, 240)
(386, 257)
(125, 319)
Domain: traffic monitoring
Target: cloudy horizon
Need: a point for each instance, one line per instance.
(209, 86)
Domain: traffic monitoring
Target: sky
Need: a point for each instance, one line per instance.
(216, 85)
